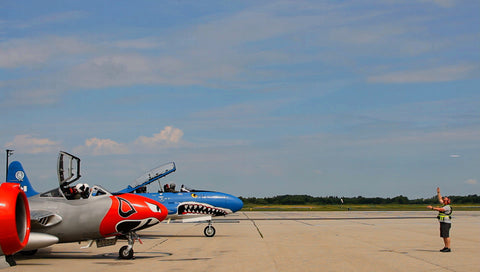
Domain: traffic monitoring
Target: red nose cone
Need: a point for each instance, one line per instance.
(130, 212)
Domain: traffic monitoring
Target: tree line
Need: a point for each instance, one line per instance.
(335, 200)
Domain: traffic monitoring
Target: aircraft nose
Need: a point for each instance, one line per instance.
(236, 203)
(147, 207)
(130, 212)
(159, 210)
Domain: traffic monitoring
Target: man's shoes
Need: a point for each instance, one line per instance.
(445, 249)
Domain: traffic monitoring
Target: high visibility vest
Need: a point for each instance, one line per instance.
(442, 216)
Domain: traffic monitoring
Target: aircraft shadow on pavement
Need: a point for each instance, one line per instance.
(186, 259)
(76, 255)
(156, 236)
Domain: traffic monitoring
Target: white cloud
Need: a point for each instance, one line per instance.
(98, 146)
(168, 136)
(471, 181)
(438, 74)
(30, 145)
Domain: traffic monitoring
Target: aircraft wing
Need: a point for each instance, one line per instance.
(191, 218)
(198, 219)
(150, 176)
(42, 218)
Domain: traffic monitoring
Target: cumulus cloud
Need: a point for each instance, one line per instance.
(30, 145)
(166, 138)
(471, 181)
(98, 146)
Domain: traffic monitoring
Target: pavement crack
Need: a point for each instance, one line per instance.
(253, 222)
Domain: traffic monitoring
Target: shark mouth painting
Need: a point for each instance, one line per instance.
(135, 225)
(201, 208)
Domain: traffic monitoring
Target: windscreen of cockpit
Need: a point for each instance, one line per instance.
(98, 191)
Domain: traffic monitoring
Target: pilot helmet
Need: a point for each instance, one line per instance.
(81, 187)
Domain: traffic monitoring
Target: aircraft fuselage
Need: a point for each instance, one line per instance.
(94, 218)
(196, 202)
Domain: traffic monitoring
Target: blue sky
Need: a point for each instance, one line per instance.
(252, 98)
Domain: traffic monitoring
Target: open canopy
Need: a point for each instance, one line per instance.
(68, 169)
(151, 176)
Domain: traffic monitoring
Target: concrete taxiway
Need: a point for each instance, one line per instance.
(284, 241)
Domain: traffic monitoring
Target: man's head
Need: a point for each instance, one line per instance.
(446, 200)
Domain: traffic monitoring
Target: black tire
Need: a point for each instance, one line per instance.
(125, 254)
(209, 231)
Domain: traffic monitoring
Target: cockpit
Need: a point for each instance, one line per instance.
(68, 170)
(171, 188)
(94, 191)
(167, 188)
(98, 191)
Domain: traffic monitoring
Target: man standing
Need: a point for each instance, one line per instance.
(445, 219)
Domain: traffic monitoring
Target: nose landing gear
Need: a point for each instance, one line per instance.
(126, 252)
(209, 230)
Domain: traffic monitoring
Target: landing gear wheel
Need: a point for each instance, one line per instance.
(9, 259)
(125, 254)
(209, 231)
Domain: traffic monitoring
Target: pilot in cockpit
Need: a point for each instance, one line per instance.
(141, 190)
(83, 190)
(70, 192)
(184, 189)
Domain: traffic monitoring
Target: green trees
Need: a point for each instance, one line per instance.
(334, 200)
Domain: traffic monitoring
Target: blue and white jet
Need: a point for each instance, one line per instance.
(186, 205)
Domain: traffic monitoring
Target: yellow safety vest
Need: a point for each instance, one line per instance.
(442, 216)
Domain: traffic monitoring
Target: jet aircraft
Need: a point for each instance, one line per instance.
(14, 222)
(186, 205)
(63, 215)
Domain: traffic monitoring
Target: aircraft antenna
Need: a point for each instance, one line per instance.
(9, 152)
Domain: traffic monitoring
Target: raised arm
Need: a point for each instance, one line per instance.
(440, 199)
(439, 196)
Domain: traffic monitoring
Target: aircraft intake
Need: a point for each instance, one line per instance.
(14, 219)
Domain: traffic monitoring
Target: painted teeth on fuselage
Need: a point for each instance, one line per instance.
(199, 208)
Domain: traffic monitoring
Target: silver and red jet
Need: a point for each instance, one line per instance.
(80, 213)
